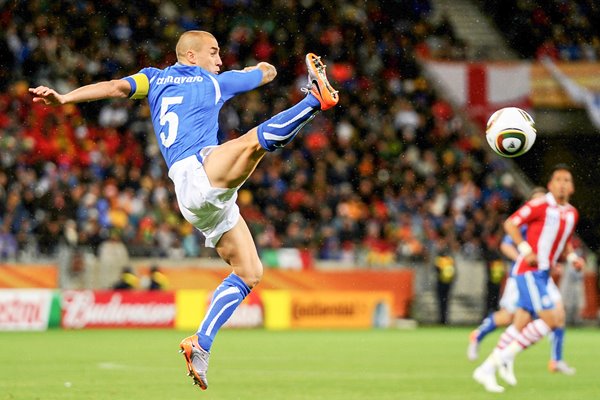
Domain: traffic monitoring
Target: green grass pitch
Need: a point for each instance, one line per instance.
(425, 363)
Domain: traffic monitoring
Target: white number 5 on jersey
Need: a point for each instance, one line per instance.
(171, 117)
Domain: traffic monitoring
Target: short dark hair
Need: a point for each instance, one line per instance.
(559, 167)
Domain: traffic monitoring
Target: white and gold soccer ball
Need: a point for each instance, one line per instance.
(510, 132)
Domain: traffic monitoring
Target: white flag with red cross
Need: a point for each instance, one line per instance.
(483, 87)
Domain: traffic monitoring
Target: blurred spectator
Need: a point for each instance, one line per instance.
(573, 293)
(158, 280)
(379, 179)
(558, 29)
(112, 257)
(128, 280)
(8, 245)
(495, 272)
(446, 274)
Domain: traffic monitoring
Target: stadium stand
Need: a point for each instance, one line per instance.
(562, 30)
(376, 182)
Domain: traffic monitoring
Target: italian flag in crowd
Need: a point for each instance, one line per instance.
(287, 258)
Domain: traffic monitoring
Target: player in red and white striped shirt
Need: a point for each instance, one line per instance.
(551, 222)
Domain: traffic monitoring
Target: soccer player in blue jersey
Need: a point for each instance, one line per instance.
(508, 306)
(185, 99)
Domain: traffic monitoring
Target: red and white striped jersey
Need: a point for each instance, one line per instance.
(550, 226)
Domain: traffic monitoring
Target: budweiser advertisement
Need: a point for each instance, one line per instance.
(25, 309)
(117, 309)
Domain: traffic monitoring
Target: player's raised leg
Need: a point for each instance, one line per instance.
(283, 127)
(231, 163)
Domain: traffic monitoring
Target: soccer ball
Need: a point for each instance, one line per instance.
(510, 132)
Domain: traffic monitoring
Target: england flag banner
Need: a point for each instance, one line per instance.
(483, 87)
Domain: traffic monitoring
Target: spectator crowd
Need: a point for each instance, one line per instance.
(565, 30)
(386, 177)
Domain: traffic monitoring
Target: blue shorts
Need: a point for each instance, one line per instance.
(533, 291)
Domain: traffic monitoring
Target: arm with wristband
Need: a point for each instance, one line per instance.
(573, 258)
(512, 226)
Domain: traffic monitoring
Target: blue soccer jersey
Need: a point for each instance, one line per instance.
(185, 101)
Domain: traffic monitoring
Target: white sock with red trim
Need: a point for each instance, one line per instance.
(531, 334)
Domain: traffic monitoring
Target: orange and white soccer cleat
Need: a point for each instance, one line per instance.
(196, 359)
(561, 367)
(473, 347)
(318, 84)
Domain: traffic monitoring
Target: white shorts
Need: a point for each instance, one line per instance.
(510, 296)
(213, 211)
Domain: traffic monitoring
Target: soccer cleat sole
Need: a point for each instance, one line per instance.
(195, 377)
(327, 96)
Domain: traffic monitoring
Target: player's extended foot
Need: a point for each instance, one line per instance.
(473, 348)
(318, 84)
(488, 380)
(196, 359)
(506, 370)
(561, 367)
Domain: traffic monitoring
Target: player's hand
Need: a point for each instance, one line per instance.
(578, 263)
(268, 70)
(558, 269)
(49, 97)
(531, 259)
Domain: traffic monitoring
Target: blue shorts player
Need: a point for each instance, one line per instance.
(551, 222)
(185, 100)
(509, 304)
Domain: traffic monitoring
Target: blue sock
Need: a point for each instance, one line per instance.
(487, 326)
(556, 344)
(225, 300)
(283, 127)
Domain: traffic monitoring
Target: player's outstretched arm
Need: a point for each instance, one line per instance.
(268, 70)
(116, 88)
(510, 251)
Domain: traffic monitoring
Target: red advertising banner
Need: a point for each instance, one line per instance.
(24, 309)
(117, 309)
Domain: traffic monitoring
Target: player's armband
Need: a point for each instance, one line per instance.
(139, 86)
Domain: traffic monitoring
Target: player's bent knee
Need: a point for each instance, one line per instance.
(257, 273)
(252, 273)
